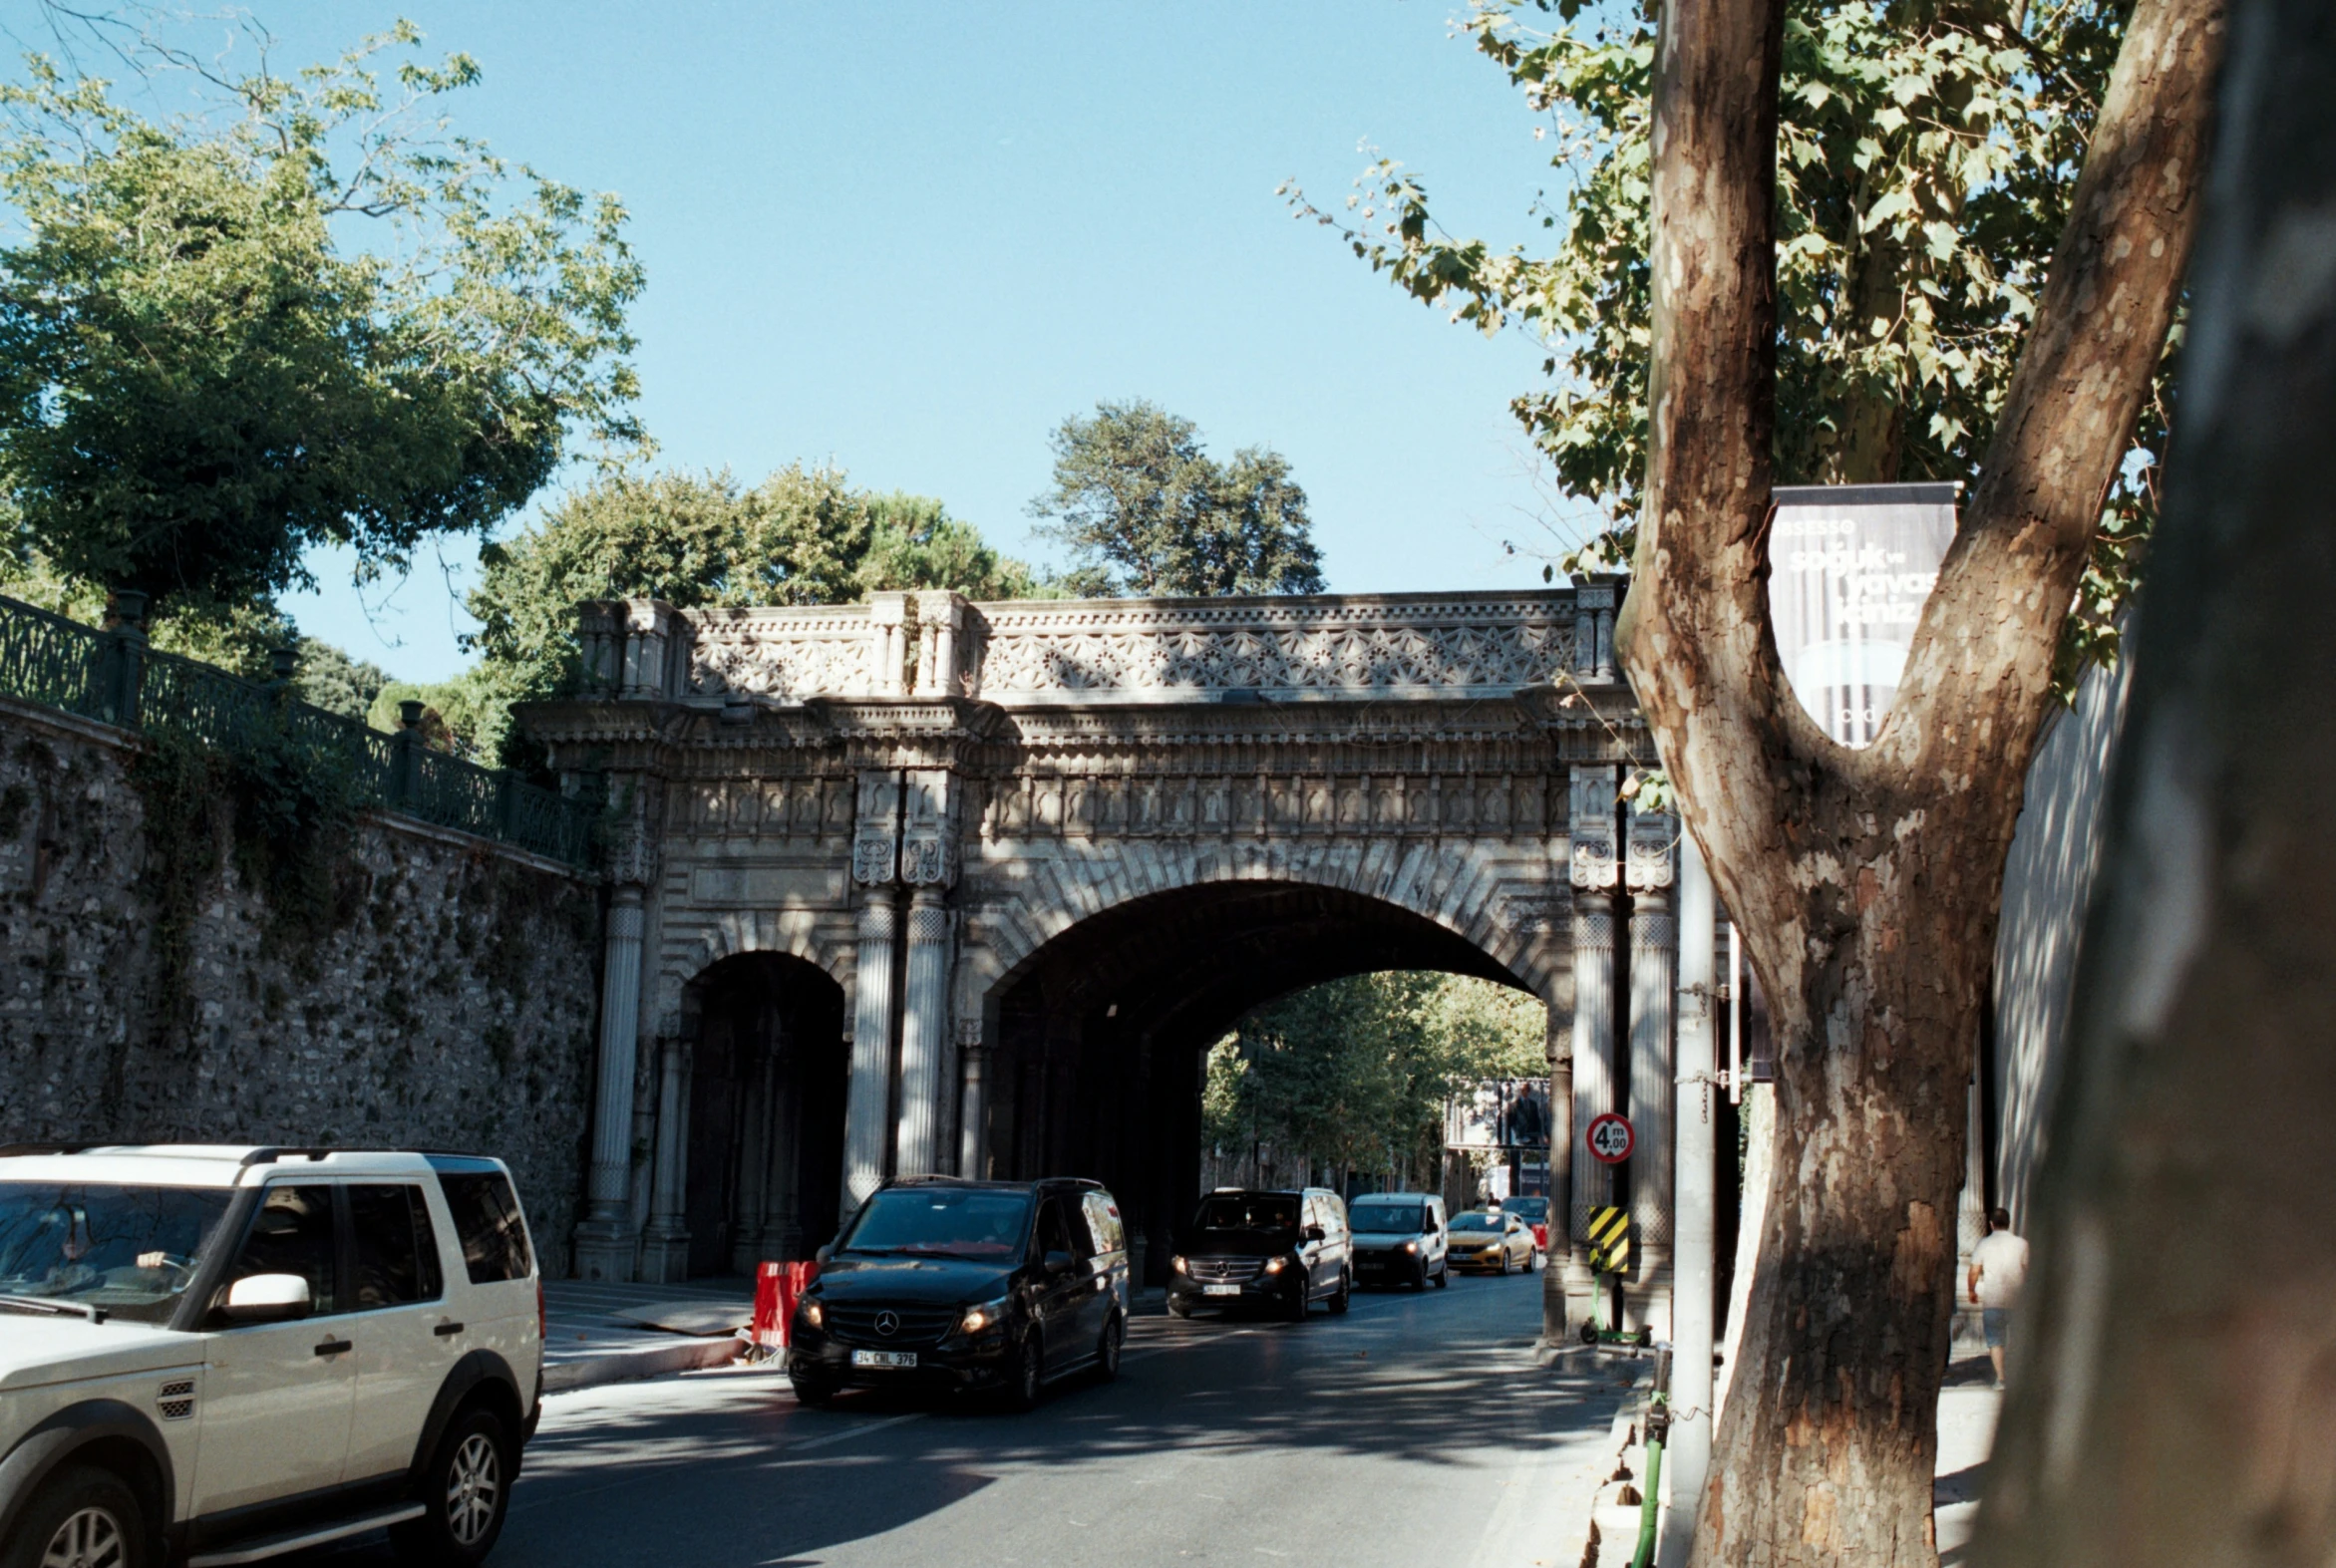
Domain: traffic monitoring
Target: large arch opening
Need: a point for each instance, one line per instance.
(1102, 1034)
(766, 1092)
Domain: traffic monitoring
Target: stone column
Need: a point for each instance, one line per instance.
(1594, 1048)
(1593, 622)
(1595, 872)
(1559, 1048)
(604, 1243)
(973, 1111)
(923, 1034)
(665, 1240)
(876, 866)
(928, 865)
(1654, 1001)
(867, 1102)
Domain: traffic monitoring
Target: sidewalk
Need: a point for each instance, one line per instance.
(1967, 1408)
(605, 1333)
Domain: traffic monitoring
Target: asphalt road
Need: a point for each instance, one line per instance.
(1414, 1429)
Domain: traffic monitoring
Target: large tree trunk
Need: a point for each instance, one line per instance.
(1866, 882)
(2173, 1379)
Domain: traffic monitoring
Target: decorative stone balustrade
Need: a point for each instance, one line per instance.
(1035, 653)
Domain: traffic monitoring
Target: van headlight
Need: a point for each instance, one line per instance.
(1274, 1265)
(1411, 1246)
(814, 1315)
(988, 1314)
(1178, 1264)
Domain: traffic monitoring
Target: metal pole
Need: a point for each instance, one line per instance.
(1695, 1213)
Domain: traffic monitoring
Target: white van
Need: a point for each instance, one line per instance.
(1400, 1239)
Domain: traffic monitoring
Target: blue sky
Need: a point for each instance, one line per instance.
(911, 239)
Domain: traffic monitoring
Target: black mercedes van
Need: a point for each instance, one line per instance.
(943, 1284)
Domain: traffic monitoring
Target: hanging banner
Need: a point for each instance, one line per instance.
(1507, 1113)
(1849, 569)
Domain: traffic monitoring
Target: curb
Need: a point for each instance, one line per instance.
(592, 1371)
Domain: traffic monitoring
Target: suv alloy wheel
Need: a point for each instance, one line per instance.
(1026, 1374)
(464, 1494)
(87, 1518)
(1107, 1352)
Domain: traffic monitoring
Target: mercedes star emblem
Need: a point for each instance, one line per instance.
(888, 1322)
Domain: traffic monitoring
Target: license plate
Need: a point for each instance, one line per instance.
(1221, 1290)
(883, 1358)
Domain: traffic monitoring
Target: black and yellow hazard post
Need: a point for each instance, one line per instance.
(1609, 1236)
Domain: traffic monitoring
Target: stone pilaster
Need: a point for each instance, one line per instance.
(605, 1239)
(923, 1031)
(665, 1240)
(1653, 1090)
(973, 1106)
(1595, 871)
(876, 866)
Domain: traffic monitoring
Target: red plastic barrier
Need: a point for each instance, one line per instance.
(778, 1286)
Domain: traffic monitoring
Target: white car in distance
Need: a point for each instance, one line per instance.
(216, 1355)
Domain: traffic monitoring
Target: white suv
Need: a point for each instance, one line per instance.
(223, 1354)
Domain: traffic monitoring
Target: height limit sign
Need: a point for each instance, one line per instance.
(1610, 1139)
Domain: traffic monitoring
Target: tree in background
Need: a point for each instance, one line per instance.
(331, 680)
(211, 363)
(802, 536)
(1354, 1075)
(1143, 510)
(1926, 156)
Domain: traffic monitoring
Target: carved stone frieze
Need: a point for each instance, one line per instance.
(928, 834)
(1591, 828)
(633, 840)
(876, 830)
(1201, 647)
(1652, 835)
(785, 652)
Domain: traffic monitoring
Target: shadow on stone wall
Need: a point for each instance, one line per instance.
(441, 996)
(2048, 881)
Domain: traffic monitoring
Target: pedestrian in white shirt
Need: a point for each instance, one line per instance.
(1999, 1267)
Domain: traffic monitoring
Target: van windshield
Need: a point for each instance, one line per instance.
(1269, 1211)
(131, 1250)
(1408, 1215)
(956, 1222)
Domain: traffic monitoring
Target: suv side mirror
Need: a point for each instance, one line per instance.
(267, 1298)
(1058, 1261)
(1313, 1233)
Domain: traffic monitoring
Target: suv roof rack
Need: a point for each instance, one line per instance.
(11, 1150)
(268, 1153)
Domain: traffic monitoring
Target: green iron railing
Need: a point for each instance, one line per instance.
(113, 676)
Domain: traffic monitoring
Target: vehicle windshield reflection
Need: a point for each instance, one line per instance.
(130, 1250)
(941, 1222)
(1254, 1211)
(1408, 1217)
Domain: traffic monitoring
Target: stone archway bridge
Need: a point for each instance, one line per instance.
(919, 798)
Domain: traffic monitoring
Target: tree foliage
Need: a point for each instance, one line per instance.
(800, 537)
(1143, 509)
(1925, 154)
(1354, 1074)
(311, 316)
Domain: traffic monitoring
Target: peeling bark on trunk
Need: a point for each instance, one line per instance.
(1866, 884)
(2173, 1377)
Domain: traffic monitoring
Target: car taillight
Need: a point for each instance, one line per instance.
(542, 1318)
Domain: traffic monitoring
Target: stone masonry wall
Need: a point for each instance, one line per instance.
(440, 993)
